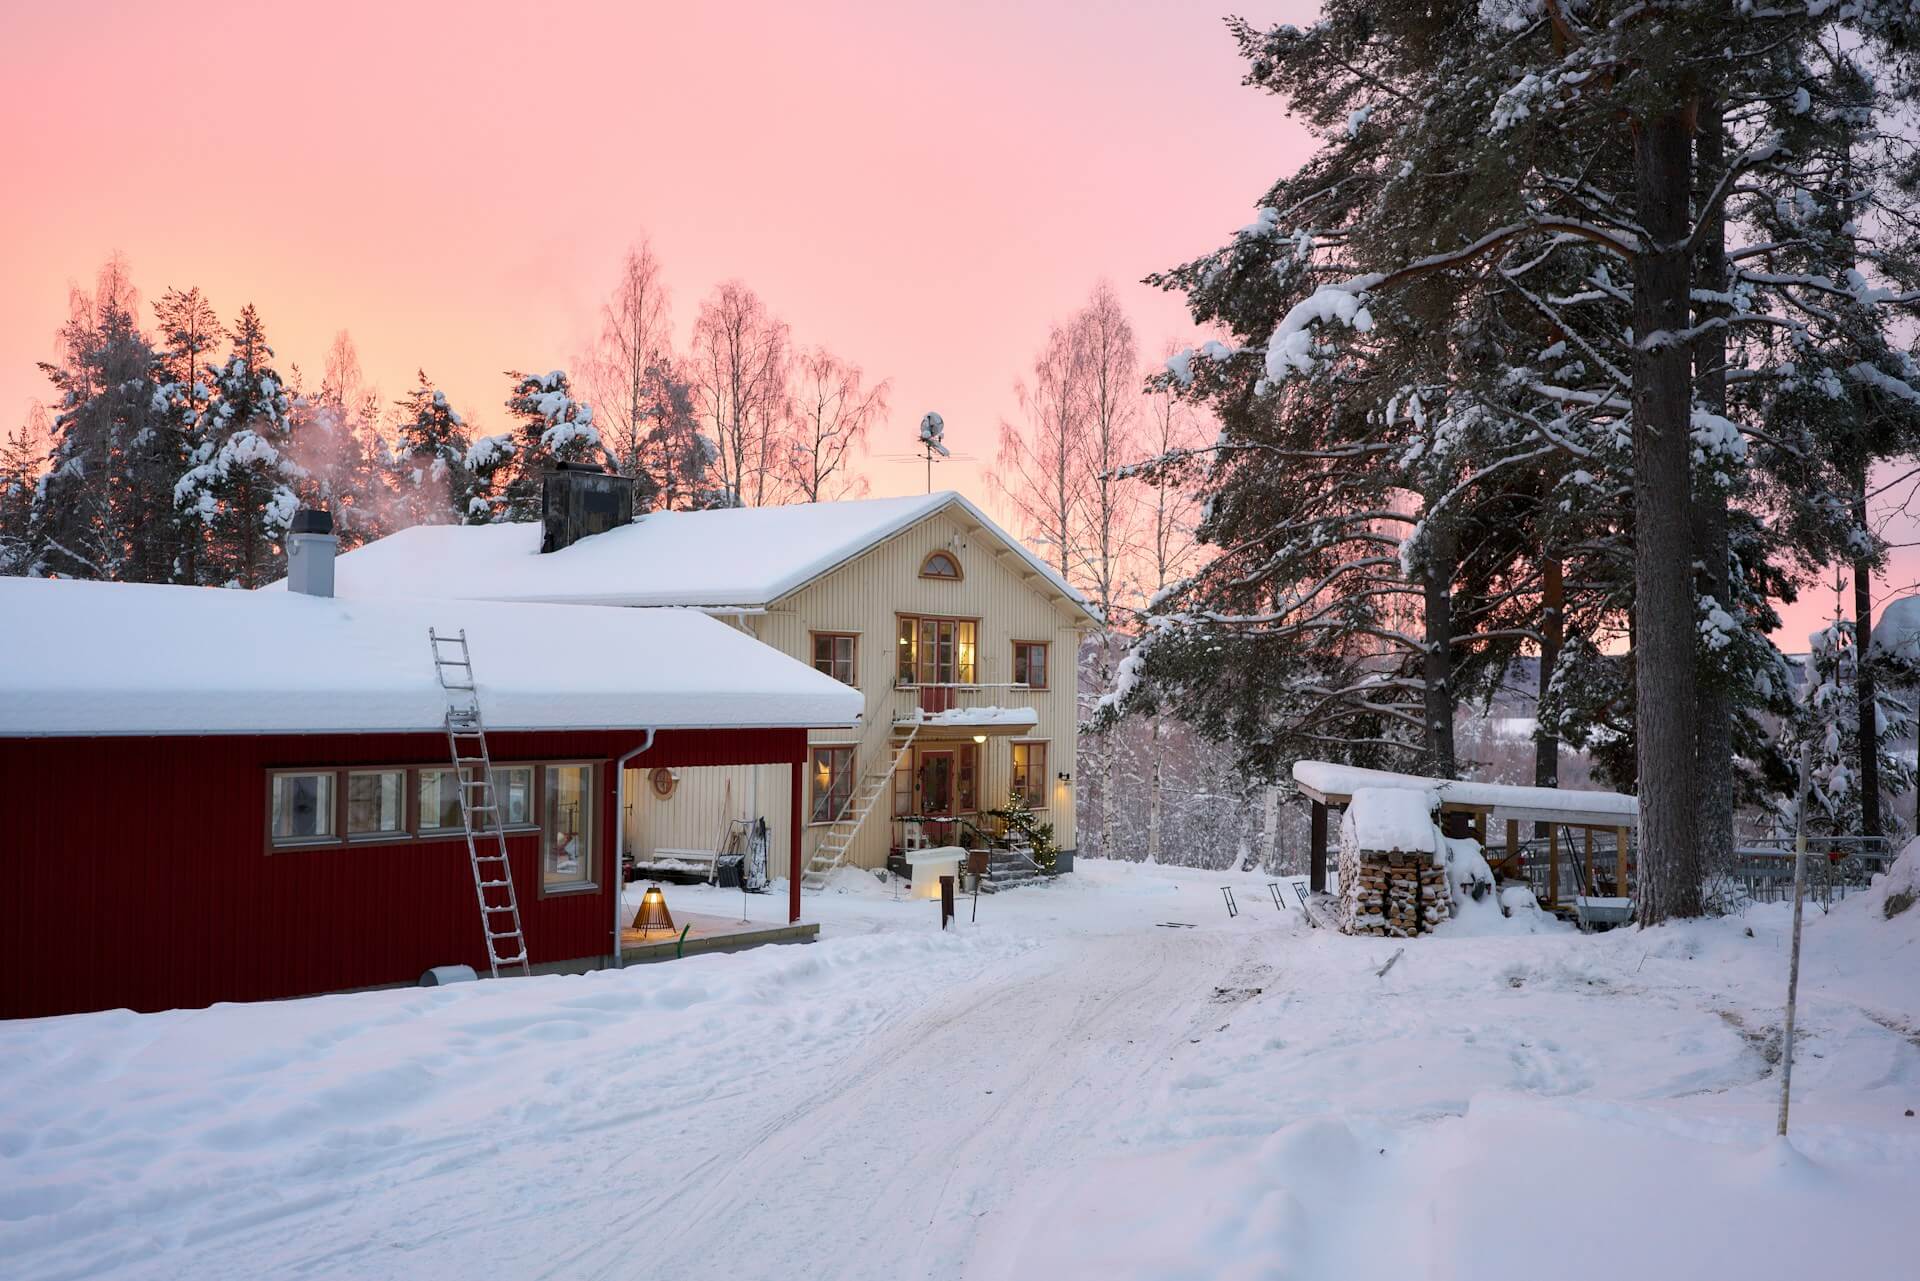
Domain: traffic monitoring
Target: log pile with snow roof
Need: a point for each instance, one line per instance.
(1393, 881)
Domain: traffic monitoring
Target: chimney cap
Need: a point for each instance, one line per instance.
(592, 467)
(310, 521)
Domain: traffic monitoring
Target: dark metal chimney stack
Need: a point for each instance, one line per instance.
(578, 500)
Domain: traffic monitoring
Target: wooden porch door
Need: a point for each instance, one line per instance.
(936, 794)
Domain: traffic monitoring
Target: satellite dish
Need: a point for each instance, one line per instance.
(932, 428)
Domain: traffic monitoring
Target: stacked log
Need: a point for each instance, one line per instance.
(1398, 892)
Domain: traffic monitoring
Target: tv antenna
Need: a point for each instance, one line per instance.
(932, 445)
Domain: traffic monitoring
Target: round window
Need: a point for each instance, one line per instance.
(663, 782)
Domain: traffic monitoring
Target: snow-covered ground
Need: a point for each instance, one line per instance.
(1067, 1088)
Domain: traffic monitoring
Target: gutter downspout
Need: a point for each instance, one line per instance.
(620, 828)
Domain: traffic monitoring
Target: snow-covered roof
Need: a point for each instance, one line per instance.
(1388, 819)
(120, 658)
(1543, 804)
(748, 557)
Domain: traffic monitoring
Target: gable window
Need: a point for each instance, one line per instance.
(566, 829)
(832, 783)
(833, 654)
(1030, 774)
(937, 651)
(1030, 664)
(302, 809)
(941, 565)
(376, 803)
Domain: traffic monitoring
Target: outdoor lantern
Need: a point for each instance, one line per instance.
(653, 914)
(979, 738)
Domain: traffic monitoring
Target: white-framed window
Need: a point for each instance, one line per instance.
(376, 804)
(833, 654)
(936, 651)
(566, 828)
(302, 807)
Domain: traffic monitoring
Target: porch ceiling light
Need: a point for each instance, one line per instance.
(979, 738)
(653, 915)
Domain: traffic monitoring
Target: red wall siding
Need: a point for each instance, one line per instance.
(133, 870)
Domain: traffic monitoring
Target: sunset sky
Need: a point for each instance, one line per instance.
(921, 187)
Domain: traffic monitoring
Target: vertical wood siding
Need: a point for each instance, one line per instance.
(133, 871)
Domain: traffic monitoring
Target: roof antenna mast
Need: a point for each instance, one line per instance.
(932, 429)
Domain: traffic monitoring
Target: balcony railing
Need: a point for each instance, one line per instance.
(918, 701)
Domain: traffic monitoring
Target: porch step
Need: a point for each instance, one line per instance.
(994, 884)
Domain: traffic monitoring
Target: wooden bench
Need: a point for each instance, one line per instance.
(680, 861)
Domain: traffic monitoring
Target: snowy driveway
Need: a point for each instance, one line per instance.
(1067, 1089)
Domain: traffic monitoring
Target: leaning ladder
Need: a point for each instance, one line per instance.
(839, 838)
(480, 816)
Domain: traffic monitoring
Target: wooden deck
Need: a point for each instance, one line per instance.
(709, 934)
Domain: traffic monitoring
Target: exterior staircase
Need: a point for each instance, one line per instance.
(1008, 868)
(874, 786)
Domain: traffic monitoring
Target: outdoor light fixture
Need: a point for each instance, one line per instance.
(1066, 778)
(653, 914)
(979, 738)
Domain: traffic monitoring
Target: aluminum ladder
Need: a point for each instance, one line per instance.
(839, 838)
(480, 816)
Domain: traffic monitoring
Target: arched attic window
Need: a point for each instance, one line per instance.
(941, 565)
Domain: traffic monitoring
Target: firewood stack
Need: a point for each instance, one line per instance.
(1397, 895)
(1392, 882)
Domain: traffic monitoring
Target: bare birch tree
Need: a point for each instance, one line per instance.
(1042, 461)
(741, 364)
(830, 411)
(635, 342)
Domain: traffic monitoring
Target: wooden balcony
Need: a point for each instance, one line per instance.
(950, 713)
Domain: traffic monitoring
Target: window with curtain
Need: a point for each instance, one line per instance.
(376, 803)
(832, 782)
(937, 651)
(1030, 774)
(833, 654)
(303, 807)
(1030, 664)
(566, 827)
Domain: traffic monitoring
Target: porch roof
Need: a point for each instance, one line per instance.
(1332, 784)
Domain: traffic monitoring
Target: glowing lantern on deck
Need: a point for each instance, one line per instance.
(653, 914)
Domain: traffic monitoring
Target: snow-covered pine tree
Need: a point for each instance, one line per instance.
(89, 507)
(240, 492)
(551, 427)
(1828, 725)
(430, 480)
(23, 457)
(188, 332)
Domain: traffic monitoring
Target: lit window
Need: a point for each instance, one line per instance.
(302, 808)
(832, 783)
(1030, 774)
(940, 565)
(833, 655)
(566, 829)
(937, 651)
(1030, 664)
(376, 803)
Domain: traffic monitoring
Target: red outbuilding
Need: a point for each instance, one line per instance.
(212, 795)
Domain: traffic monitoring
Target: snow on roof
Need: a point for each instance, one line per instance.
(1385, 819)
(1546, 803)
(738, 556)
(120, 658)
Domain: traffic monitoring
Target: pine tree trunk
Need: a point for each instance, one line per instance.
(1437, 663)
(1863, 683)
(1270, 832)
(1670, 880)
(1713, 704)
(1553, 635)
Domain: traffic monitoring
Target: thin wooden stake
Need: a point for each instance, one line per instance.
(1793, 964)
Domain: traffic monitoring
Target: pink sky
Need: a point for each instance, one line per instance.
(921, 187)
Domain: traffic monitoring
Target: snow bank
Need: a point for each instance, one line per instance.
(123, 658)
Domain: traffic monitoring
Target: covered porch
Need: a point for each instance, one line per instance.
(1581, 849)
